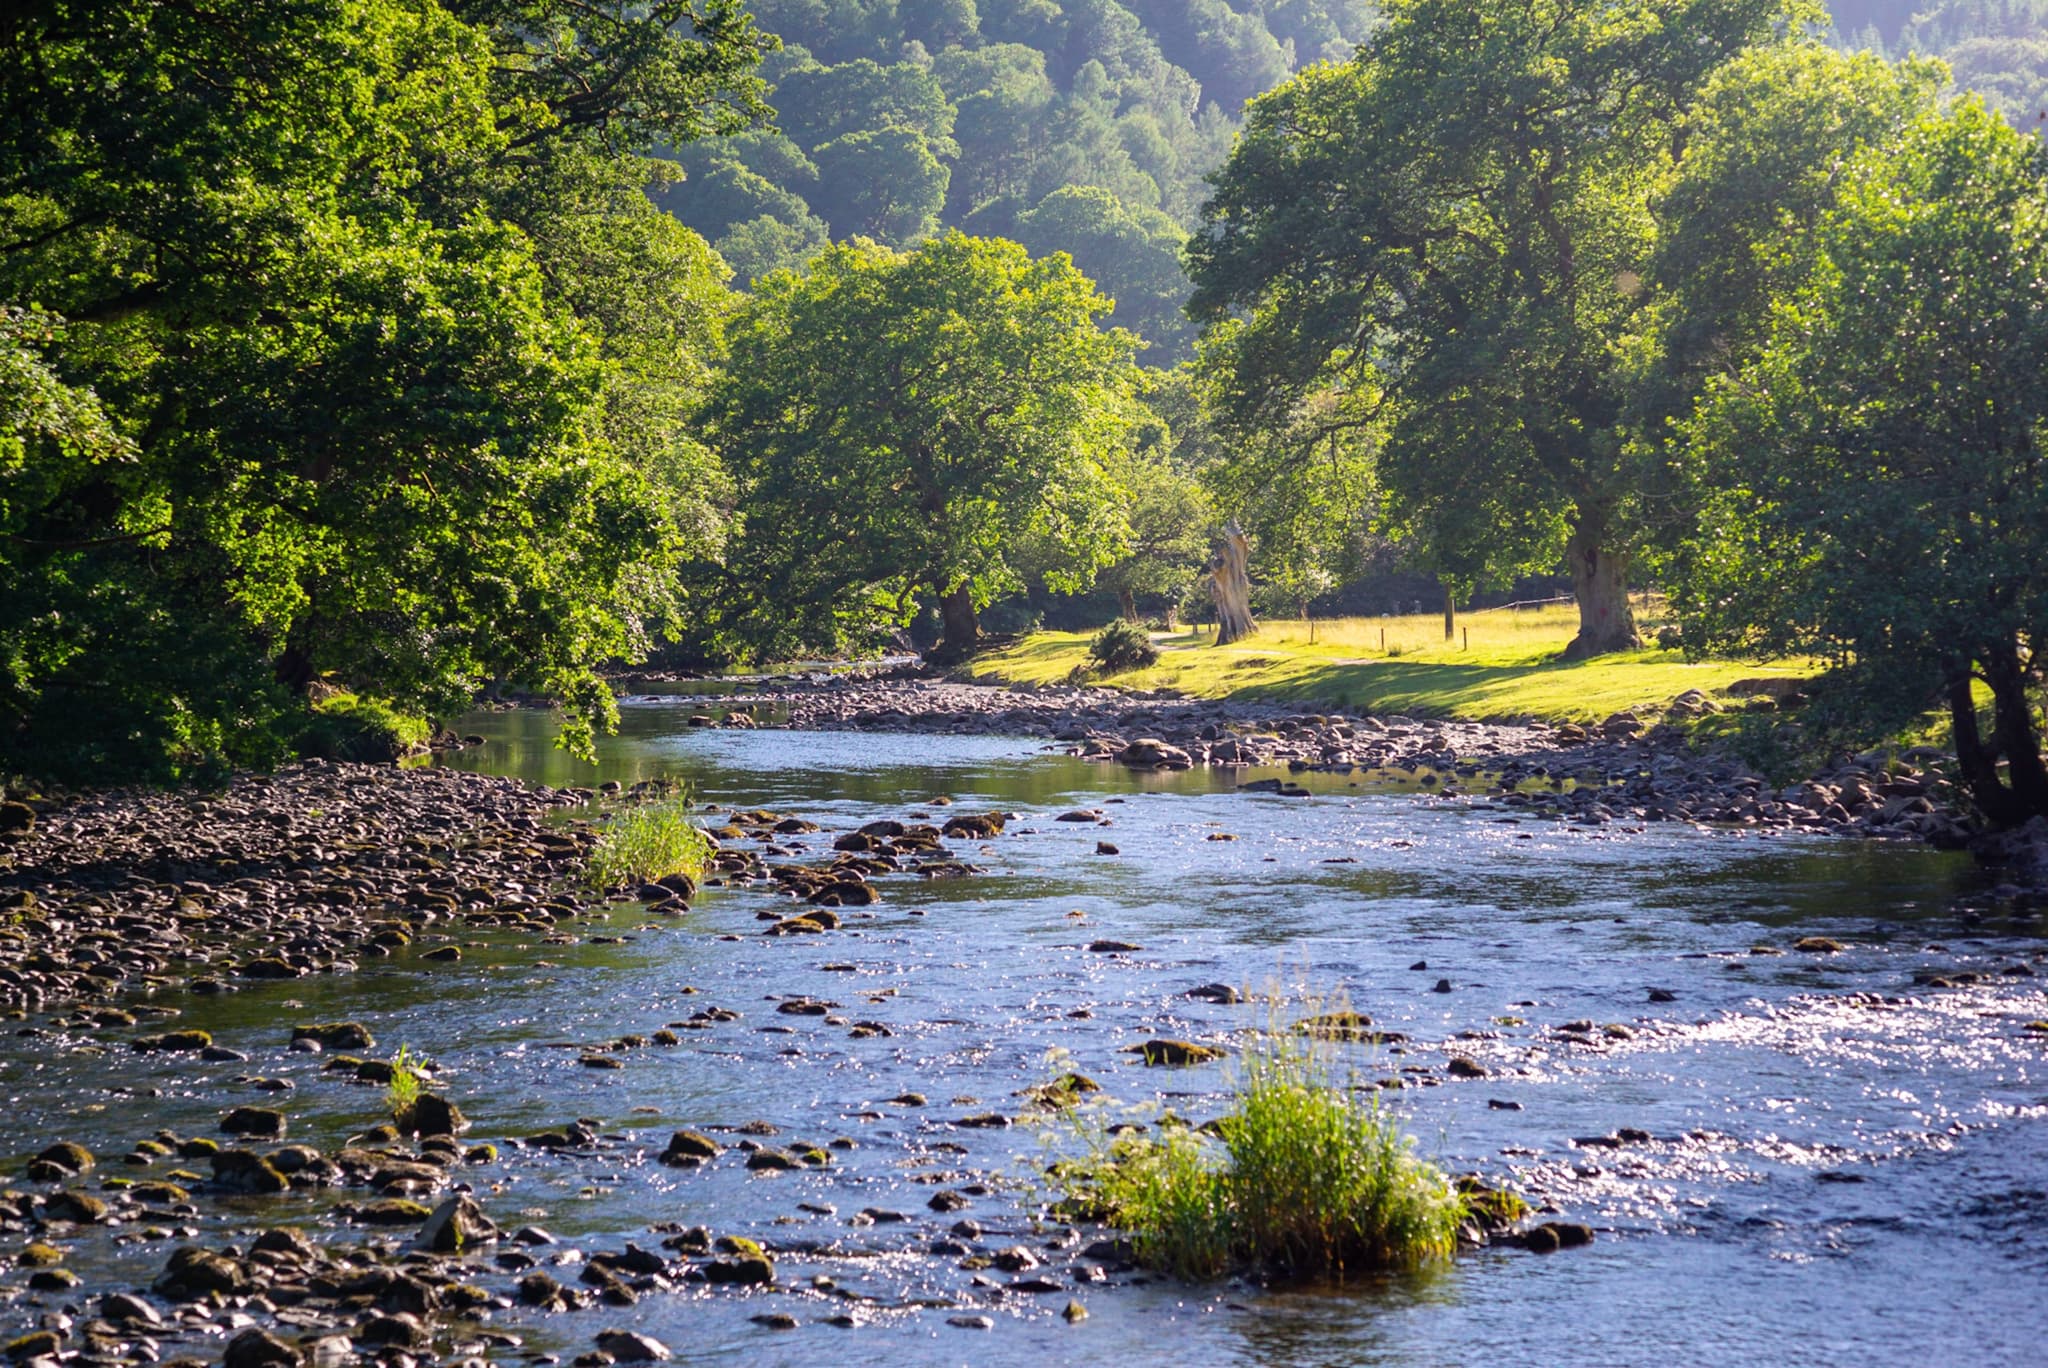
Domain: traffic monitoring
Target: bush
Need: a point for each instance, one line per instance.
(1300, 1181)
(1122, 646)
(645, 843)
(368, 730)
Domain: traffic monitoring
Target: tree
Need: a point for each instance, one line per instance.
(884, 184)
(1133, 253)
(898, 422)
(817, 103)
(1170, 520)
(1460, 216)
(1874, 483)
(372, 299)
(1765, 147)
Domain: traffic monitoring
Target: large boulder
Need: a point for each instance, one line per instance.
(1149, 752)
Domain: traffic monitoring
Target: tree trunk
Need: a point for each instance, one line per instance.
(959, 625)
(1128, 603)
(1230, 586)
(294, 669)
(1600, 582)
(2023, 792)
(1450, 614)
(1977, 762)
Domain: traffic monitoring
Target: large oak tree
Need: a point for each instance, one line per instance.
(912, 427)
(1460, 218)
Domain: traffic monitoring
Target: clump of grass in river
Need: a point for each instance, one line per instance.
(403, 1089)
(648, 842)
(1303, 1179)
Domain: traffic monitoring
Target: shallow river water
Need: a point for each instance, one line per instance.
(1845, 1168)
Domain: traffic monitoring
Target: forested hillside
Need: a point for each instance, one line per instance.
(1088, 126)
(1083, 126)
(1998, 48)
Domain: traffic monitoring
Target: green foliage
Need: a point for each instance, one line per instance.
(403, 1089)
(1008, 111)
(366, 347)
(1460, 225)
(367, 730)
(646, 842)
(1122, 645)
(1997, 49)
(885, 184)
(922, 423)
(1132, 253)
(1304, 1181)
(1871, 481)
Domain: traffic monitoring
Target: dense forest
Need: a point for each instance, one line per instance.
(351, 362)
(1997, 48)
(1082, 126)
(1089, 126)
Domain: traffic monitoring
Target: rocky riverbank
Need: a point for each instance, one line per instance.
(307, 870)
(1634, 767)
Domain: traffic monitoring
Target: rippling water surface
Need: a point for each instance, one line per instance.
(1844, 1169)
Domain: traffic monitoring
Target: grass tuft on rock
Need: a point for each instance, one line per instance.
(648, 842)
(1303, 1180)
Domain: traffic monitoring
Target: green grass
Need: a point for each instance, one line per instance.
(1510, 670)
(345, 726)
(647, 842)
(404, 1088)
(1303, 1180)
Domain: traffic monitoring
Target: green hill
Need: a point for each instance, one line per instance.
(1083, 126)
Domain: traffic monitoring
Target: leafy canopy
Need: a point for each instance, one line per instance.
(924, 423)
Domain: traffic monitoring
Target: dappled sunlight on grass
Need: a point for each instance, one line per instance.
(1511, 667)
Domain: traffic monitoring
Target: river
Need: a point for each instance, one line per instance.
(1843, 1167)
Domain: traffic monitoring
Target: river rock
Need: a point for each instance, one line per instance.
(749, 1271)
(1552, 1236)
(337, 1035)
(258, 1348)
(81, 1208)
(124, 1309)
(65, 1154)
(1149, 752)
(195, 1272)
(433, 1114)
(1177, 1053)
(263, 1123)
(457, 1225)
(630, 1346)
(247, 1172)
(690, 1147)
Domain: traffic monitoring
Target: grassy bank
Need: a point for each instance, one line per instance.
(1502, 664)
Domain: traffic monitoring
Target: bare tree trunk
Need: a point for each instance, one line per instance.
(1231, 587)
(1128, 603)
(1450, 614)
(1172, 617)
(1600, 581)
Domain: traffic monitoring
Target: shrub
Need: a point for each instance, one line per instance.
(645, 843)
(1122, 646)
(1302, 1180)
(346, 727)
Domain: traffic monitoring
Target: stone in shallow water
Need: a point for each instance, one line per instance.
(629, 1346)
